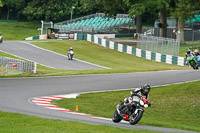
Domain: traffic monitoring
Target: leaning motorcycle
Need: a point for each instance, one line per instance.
(70, 55)
(131, 112)
(192, 61)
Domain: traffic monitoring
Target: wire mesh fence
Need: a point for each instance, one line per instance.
(15, 66)
(159, 44)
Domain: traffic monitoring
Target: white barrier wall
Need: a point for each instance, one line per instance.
(138, 52)
(158, 57)
(111, 45)
(148, 55)
(120, 47)
(129, 50)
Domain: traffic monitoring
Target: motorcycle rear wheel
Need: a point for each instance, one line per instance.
(193, 64)
(136, 118)
(116, 117)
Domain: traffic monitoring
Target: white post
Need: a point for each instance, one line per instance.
(72, 12)
(6, 73)
(42, 27)
(51, 24)
(35, 68)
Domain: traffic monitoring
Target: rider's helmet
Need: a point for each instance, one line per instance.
(71, 48)
(196, 51)
(188, 51)
(145, 89)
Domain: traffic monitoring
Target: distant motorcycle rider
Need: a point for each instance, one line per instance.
(71, 49)
(196, 54)
(70, 53)
(142, 92)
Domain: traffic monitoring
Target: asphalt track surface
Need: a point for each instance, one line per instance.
(44, 57)
(16, 93)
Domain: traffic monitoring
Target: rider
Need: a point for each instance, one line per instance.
(143, 92)
(188, 53)
(196, 54)
(71, 49)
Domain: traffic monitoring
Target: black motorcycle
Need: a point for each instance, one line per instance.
(131, 111)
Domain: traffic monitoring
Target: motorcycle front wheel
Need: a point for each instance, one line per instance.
(134, 119)
(116, 117)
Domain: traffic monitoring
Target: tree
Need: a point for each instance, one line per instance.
(139, 7)
(184, 10)
(1, 5)
(48, 9)
(109, 7)
(10, 4)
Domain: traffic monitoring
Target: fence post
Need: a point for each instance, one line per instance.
(6, 73)
(35, 68)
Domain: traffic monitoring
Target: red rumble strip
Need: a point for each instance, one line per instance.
(46, 102)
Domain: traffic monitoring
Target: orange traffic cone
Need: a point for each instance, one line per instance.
(76, 107)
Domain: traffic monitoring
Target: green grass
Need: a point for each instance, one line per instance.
(173, 106)
(191, 45)
(118, 62)
(19, 30)
(18, 123)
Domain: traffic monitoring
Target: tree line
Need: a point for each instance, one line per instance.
(57, 10)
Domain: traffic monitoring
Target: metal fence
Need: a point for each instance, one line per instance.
(16, 66)
(158, 44)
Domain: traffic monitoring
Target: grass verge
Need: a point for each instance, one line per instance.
(18, 123)
(191, 45)
(118, 62)
(19, 30)
(173, 106)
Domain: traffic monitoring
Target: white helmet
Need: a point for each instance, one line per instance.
(196, 51)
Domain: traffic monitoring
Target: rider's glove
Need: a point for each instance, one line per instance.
(149, 104)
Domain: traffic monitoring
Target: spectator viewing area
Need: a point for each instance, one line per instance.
(95, 23)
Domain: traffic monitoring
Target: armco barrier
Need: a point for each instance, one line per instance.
(169, 59)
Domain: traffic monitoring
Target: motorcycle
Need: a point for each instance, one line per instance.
(133, 111)
(198, 60)
(192, 61)
(70, 55)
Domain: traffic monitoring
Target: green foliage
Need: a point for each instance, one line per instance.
(184, 9)
(10, 3)
(109, 7)
(48, 9)
(138, 7)
(173, 106)
(1, 5)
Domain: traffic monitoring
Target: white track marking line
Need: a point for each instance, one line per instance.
(66, 56)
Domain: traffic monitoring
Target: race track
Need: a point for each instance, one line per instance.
(45, 57)
(15, 93)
